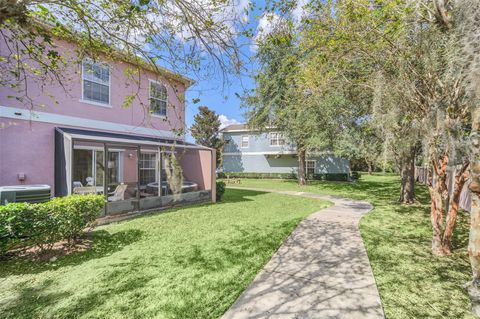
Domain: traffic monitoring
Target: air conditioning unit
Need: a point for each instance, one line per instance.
(24, 193)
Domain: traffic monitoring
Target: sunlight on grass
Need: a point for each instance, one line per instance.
(185, 263)
(412, 283)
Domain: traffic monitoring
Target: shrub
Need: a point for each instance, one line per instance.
(220, 190)
(356, 175)
(64, 218)
(258, 175)
(340, 177)
(74, 213)
(319, 177)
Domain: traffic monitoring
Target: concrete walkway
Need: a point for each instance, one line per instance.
(321, 271)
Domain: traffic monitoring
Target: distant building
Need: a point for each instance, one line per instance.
(251, 151)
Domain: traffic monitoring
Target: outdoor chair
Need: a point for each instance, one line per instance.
(77, 184)
(89, 181)
(118, 194)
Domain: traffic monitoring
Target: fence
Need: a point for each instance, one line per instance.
(421, 176)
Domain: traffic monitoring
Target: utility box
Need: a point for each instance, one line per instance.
(24, 193)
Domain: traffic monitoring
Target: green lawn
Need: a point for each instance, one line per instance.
(185, 263)
(412, 282)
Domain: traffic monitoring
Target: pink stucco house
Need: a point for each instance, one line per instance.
(80, 138)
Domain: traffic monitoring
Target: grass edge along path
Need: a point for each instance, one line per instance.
(412, 282)
(190, 262)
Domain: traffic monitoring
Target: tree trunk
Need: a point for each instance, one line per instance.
(474, 239)
(407, 191)
(370, 168)
(460, 179)
(301, 167)
(438, 194)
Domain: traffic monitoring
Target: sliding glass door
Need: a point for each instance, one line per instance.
(88, 167)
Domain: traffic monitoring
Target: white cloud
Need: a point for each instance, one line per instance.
(241, 8)
(228, 17)
(225, 121)
(266, 24)
(299, 10)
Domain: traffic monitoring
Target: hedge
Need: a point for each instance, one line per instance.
(258, 175)
(323, 176)
(42, 225)
(220, 190)
(356, 175)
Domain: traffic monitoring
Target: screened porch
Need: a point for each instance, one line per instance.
(133, 173)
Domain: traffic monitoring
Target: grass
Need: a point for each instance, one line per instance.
(185, 263)
(411, 281)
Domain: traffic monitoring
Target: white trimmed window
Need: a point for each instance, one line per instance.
(276, 139)
(158, 99)
(148, 171)
(310, 164)
(96, 82)
(245, 140)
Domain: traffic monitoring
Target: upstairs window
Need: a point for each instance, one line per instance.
(276, 139)
(96, 82)
(158, 99)
(245, 141)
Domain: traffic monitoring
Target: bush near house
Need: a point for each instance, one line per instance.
(318, 177)
(356, 175)
(42, 225)
(257, 175)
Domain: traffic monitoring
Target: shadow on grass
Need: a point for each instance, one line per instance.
(32, 301)
(103, 244)
(248, 248)
(233, 195)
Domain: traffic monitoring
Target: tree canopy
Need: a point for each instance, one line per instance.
(206, 130)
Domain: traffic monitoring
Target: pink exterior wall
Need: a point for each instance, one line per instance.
(28, 146)
(130, 173)
(68, 101)
(197, 167)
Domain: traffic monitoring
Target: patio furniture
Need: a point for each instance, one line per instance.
(77, 184)
(89, 181)
(118, 194)
(145, 194)
(84, 190)
(233, 180)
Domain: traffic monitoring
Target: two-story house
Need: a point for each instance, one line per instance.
(79, 137)
(250, 151)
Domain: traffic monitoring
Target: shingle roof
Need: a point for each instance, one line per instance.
(235, 127)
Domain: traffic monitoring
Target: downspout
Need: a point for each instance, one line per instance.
(214, 175)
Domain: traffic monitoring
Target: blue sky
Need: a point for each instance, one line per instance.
(220, 94)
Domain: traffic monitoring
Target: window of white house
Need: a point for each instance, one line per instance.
(96, 82)
(158, 99)
(245, 141)
(310, 167)
(277, 139)
(148, 171)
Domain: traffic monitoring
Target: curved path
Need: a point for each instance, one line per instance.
(321, 271)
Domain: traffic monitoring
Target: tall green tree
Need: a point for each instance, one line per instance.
(361, 143)
(279, 100)
(206, 130)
